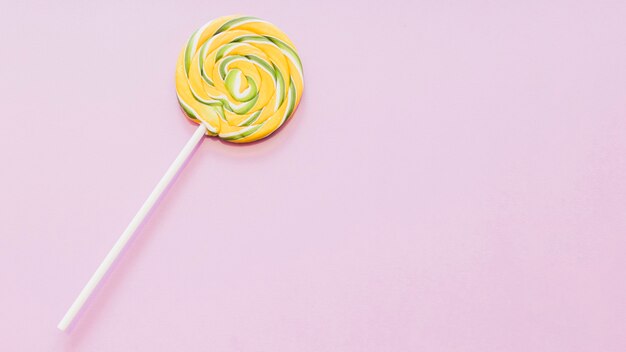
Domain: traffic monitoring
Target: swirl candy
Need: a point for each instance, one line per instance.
(239, 76)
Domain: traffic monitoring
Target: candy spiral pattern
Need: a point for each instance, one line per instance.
(240, 76)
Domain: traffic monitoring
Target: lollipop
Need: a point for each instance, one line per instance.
(239, 78)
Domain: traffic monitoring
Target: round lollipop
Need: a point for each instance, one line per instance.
(239, 78)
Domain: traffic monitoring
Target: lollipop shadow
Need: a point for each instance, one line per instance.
(106, 289)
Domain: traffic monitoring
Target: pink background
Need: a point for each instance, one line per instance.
(454, 180)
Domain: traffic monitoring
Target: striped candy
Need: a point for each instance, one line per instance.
(239, 76)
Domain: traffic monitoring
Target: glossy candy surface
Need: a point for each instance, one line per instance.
(240, 76)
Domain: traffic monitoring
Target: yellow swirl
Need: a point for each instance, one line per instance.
(239, 76)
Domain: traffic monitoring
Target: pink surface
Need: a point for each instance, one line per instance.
(454, 180)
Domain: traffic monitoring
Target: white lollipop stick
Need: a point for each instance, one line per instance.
(127, 234)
